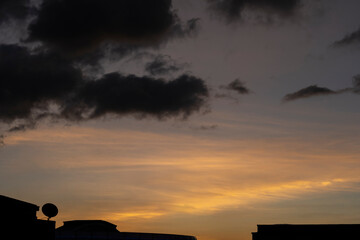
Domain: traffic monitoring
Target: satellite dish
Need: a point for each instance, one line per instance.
(49, 210)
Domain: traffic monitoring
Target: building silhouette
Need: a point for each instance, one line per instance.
(102, 230)
(18, 221)
(307, 232)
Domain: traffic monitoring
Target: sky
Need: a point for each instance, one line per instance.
(200, 118)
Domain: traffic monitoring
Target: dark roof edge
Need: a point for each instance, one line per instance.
(310, 224)
(88, 221)
(5, 198)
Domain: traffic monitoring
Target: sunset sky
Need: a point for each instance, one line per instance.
(194, 117)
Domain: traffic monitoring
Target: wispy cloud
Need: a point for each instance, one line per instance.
(163, 65)
(237, 86)
(234, 9)
(206, 127)
(314, 90)
(307, 92)
(356, 84)
(349, 39)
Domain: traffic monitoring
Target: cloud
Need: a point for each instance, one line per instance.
(349, 39)
(237, 86)
(233, 9)
(75, 27)
(39, 85)
(356, 83)
(14, 9)
(31, 81)
(314, 90)
(162, 65)
(59, 78)
(181, 30)
(206, 127)
(120, 95)
(234, 86)
(310, 91)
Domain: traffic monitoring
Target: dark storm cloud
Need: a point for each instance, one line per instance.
(233, 9)
(117, 49)
(52, 82)
(310, 91)
(351, 38)
(31, 81)
(32, 84)
(141, 96)
(14, 9)
(162, 64)
(237, 86)
(77, 26)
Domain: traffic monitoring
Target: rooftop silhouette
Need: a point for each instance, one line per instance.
(19, 221)
(307, 231)
(99, 229)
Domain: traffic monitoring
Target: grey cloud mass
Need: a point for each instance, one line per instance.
(32, 83)
(78, 26)
(14, 10)
(120, 95)
(49, 82)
